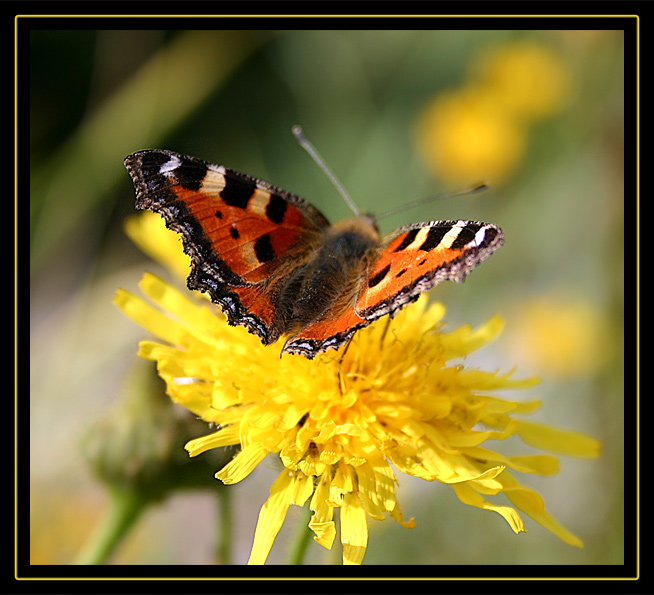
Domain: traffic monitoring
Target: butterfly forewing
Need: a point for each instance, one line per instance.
(417, 257)
(233, 226)
(243, 235)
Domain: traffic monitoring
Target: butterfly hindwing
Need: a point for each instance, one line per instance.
(330, 332)
(417, 257)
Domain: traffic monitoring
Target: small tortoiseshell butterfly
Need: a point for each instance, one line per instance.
(274, 263)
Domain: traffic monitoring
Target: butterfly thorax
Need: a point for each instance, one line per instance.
(343, 233)
(329, 277)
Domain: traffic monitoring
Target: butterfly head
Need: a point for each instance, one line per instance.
(364, 226)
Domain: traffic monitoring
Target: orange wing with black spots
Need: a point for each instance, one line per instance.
(244, 236)
(274, 263)
(417, 257)
(409, 261)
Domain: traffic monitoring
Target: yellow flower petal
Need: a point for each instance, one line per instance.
(354, 529)
(541, 464)
(368, 491)
(271, 517)
(469, 496)
(148, 317)
(467, 339)
(529, 78)
(545, 519)
(532, 505)
(242, 464)
(325, 533)
(321, 523)
(566, 442)
(223, 437)
(302, 489)
(149, 232)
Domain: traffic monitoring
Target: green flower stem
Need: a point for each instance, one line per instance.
(302, 538)
(225, 533)
(125, 509)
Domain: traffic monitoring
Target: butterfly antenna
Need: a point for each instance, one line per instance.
(309, 148)
(480, 187)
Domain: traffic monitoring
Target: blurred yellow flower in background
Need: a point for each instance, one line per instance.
(480, 131)
(464, 137)
(527, 78)
(563, 336)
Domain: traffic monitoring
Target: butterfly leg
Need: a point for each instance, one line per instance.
(339, 363)
(347, 346)
(383, 335)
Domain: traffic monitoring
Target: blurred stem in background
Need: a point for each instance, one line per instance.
(303, 537)
(224, 545)
(125, 509)
(138, 453)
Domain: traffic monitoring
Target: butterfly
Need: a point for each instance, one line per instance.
(275, 264)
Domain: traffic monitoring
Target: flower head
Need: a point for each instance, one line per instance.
(345, 423)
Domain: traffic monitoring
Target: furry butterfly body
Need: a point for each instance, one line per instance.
(274, 263)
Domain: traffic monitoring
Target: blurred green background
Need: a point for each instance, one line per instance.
(398, 115)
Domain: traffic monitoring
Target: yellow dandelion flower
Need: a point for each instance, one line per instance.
(345, 424)
(462, 136)
(563, 335)
(528, 78)
(479, 131)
